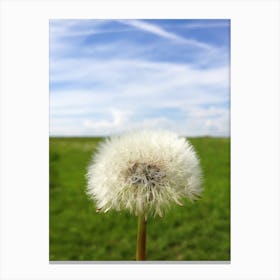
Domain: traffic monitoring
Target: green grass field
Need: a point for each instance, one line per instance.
(196, 231)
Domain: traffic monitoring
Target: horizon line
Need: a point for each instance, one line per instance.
(104, 136)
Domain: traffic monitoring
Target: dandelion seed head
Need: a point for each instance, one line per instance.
(143, 172)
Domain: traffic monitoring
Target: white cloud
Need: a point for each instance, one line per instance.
(135, 88)
(159, 31)
(203, 25)
(118, 120)
(188, 126)
(161, 75)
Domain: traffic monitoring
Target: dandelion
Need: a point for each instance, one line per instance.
(143, 172)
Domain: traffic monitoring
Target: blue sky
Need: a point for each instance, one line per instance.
(110, 76)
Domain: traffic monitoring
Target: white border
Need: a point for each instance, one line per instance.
(254, 123)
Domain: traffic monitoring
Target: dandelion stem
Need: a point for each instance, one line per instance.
(141, 239)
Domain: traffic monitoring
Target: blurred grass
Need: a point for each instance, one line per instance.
(197, 231)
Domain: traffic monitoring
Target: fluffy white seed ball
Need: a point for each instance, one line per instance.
(143, 172)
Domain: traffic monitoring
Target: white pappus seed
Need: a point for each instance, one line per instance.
(143, 172)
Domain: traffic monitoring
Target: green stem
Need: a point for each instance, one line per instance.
(141, 239)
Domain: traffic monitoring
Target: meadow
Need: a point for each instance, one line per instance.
(198, 231)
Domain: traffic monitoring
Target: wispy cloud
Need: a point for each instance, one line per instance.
(105, 83)
(161, 32)
(116, 91)
(206, 25)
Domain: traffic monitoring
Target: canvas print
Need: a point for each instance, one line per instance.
(139, 148)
